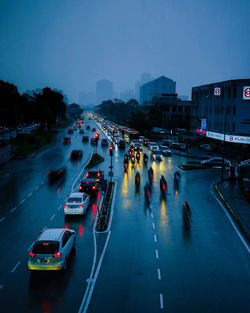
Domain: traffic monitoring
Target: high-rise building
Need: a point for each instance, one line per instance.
(145, 77)
(127, 95)
(161, 85)
(104, 90)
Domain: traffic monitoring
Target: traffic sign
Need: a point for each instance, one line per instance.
(217, 91)
(246, 93)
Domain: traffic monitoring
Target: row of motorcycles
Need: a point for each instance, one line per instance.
(134, 156)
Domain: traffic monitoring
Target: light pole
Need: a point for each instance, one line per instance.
(111, 166)
(223, 148)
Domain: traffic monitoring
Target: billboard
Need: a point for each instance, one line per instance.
(246, 93)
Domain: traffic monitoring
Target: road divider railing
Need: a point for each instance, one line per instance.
(104, 213)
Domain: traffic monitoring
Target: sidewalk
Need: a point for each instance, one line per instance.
(233, 198)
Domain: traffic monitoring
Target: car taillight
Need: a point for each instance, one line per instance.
(57, 255)
(230, 164)
(70, 155)
(87, 175)
(80, 187)
(66, 206)
(31, 254)
(81, 206)
(98, 174)
(45, 244)
(93, 187)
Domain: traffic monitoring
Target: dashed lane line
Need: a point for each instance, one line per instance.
(30, 247)
(156, 254)
(30, 194)
(16, 266)
(153, 225)
(52, 217)
(159, 273)
(152, 215)
(59, 208)
(37, 187)
(2, 219)
(21, 202)
(161, 301)
(44, 228)
(155, 238)
(12, 210)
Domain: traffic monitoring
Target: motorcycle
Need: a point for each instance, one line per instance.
(138, 156)
(147, 193)
(177, 177)
(163, 185)
(150, 175)
(137, 179)
(133, 159)
(145, 158)
(125, 164)
(125, 156)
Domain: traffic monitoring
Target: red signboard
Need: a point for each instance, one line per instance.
(217, 91)
(246, 93)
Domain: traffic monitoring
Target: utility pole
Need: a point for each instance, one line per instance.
(223, 148)
(111, 166)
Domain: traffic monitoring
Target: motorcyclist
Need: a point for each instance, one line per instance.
(137, 178)
(125, 156)
(125, 164)
(163, 184)
(177, 177)
(145, 158)
(132, 159)
(150, 174)
(147, 192)
(138, 156)
(186, 211)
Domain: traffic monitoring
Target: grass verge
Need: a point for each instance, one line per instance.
(95, 159)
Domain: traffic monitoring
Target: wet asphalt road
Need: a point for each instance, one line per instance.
(153, 262)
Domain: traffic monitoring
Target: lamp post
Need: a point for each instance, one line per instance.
(111, 166)
(223, 148)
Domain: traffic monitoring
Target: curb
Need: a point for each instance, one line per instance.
(231, 212)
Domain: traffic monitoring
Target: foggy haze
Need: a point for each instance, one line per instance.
(69, 45)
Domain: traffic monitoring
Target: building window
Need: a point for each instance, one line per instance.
(180, 108)
(174, 108)
(234, 109)
(229, 92)
(233, 130)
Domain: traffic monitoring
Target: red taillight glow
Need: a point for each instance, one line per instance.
(98, 174)
(31, 254)
(66, 206)
(80, 188)
(81, 206)
(70, 155)
(87, 175)
(57, 255)
(45, 244)
(93, 187)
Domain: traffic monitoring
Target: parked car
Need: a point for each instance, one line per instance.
(206, 147)
(76, 203)
(76, 154)
(85, 138)
(163, 147)
(55, 175)
(104, 142)
(167, 152)
(89, 186)
(153, 147)
(177, 146)
(51, 250)
(217, 161)
(66, 140)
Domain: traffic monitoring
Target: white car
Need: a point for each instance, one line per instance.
(156, 155)
(76, 204)
(217, 161)
(154, 147)
(51, 250)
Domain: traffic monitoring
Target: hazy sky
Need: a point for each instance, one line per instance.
(70, 44)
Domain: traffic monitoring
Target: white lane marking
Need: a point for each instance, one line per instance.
(44, 228)
(155, 239)
(12, 210)
(2, 219)
(156, 254)
(1, 287)
(96, 274)
(152, 215)
(15, 267)
(52, 217)
(22, 201)
(43, 182)
(159, 273)
(30, 194)
(153, 225)
(161, 301)
(30, 247)
(65, 199)
(59, 208)
(37, 187)
(231, 220)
